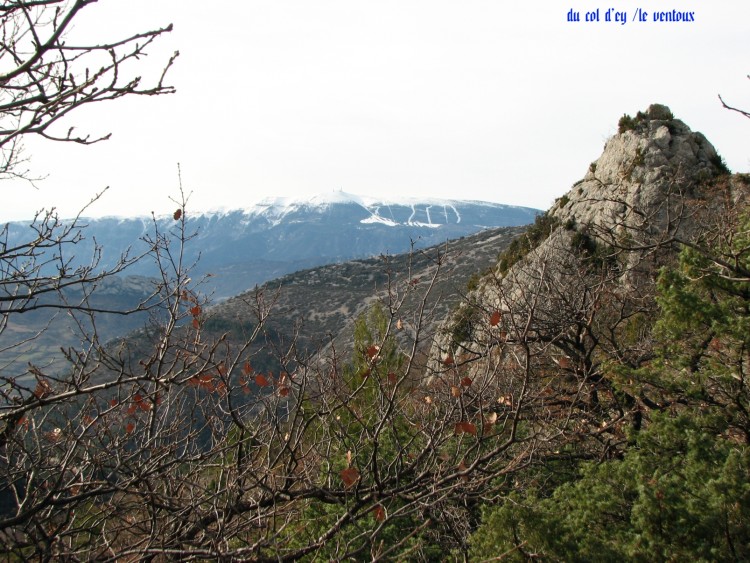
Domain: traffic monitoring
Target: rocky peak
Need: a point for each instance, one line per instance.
(607, 236)
(653, 157)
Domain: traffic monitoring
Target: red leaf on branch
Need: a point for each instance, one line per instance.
(466, 381)
(463, 467)
(177, 214)
(261, 380)
(283, 384)
(379, 512)
(43, 389)
(243, 384)
(196, 324)
(372, 351)
(495, 318)
(466, 428)
(349, 476)
(129, 427)
(564, 362)
(247, 369)
(140, 403)
(196, 310)
(448, 361)
(206, 381)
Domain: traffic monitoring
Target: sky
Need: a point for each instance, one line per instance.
(461, 99)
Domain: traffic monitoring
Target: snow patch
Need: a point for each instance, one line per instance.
(378, 219)
(453, 207)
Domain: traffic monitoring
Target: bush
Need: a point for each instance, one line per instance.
(680, 494)
(542, 228)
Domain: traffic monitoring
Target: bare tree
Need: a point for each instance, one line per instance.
(44, 78)
(733, 108)
(171, 444)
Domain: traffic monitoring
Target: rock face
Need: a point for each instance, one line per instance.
(653, 158)
(572, 291)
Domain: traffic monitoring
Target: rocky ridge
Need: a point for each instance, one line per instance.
(570, 287)
(654, 156)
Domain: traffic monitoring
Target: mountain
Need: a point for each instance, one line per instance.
(231, 251)
(244, 247)
(635, 195)
(317, 308)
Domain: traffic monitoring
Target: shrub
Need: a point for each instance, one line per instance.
(521, 246)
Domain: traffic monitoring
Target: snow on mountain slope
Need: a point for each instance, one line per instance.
(275, 236)
(405, 211)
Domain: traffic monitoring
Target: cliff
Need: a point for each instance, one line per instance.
(576, 293)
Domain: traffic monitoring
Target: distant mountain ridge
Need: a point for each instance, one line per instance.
(240, 248)
(414, 212)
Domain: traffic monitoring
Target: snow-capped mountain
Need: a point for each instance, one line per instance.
(275, 236)
(404, 212)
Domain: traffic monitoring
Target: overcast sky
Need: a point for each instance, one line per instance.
(464, 99)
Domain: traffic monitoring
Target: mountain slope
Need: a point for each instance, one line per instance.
(244, 247)
(317, 308)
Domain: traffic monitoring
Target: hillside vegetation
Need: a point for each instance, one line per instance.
(583, 396)
(620, 339)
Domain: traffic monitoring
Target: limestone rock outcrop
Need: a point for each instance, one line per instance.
(652, 158)
(569, 290)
